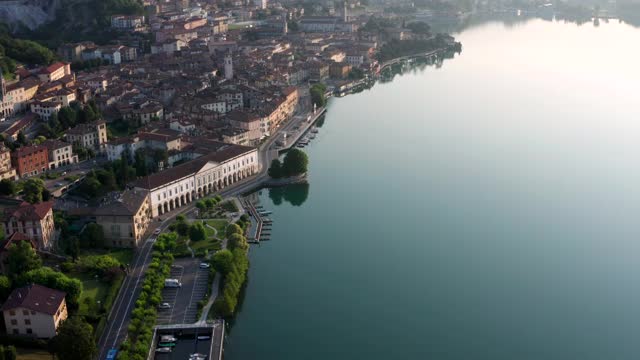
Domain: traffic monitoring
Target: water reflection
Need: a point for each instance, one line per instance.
(295, 194)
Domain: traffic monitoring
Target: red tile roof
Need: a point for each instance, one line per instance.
(29, 212)
(36, 298)
(53, 67)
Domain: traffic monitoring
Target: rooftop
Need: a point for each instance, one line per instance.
(36, 298)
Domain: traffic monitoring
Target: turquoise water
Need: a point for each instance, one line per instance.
(487, 209)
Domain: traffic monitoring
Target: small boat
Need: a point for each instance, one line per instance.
(163, 350)
(300, 146)
(167, 344)
(312, 137)
(314, 130)
(204, 337)
(168, 339)
(267, 220)
(264, 212)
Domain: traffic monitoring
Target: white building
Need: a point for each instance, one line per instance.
(180, 185)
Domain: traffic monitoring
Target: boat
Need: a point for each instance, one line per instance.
(300, 146)
(163, 350)
(167, 339)
(264, 212)
(314, 130)
(267, 220)
(167, 344)
(204, 337)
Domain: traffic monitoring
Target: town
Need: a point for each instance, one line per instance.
(125, 150)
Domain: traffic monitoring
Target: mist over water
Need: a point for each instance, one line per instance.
(487, 209)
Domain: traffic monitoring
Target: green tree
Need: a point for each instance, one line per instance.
(22, 258)
(295, 163)
(197, 232)
(275, 170)
(317, 92)
(237, 241)
(201, 205)
(74, 340)
(48, 277)
(7, 187)
(2, 350)
(33, 189)
(92, 236)
(140, 163)
(233, 229)
(181, 225)
(22, 139)
(223, 261)
(10, 353)
(5, 287)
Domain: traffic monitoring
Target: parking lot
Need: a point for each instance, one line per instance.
(184, 300)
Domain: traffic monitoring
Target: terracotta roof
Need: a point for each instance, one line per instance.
(29, 212)
(241, 116)
(53, 67)
(36, 298)
(27, 150)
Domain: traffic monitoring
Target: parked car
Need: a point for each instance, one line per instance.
(204, 265)
(157, 231)
(164, 306)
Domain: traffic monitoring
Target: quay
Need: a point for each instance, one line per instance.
(293, 138)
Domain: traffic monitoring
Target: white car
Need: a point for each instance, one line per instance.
(204, 265)
(164, 306)
(157, 231)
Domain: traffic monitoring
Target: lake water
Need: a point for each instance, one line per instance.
(487, 209)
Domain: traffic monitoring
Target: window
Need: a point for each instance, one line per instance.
(29, 331)
(14, 322)
(27, 321)
(12, 313)
(25, 312)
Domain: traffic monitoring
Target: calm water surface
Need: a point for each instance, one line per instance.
(488, 209)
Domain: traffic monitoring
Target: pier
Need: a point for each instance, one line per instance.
(259, 223)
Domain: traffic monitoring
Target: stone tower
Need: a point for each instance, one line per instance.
(3, 86)
(345, 14)
(228, 66)
(285, 26)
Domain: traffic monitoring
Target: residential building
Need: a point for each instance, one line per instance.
(60, 153)
(30, 160)
(127, 22)
(32, 220)
(248, 122)
(90, 136)
(44, 109)
(54, 72)
(125, 218)
(34, 310)
(6, 169)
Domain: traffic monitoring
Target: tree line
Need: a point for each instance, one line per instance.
(232, 264)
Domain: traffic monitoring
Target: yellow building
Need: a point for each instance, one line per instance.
(125, 218)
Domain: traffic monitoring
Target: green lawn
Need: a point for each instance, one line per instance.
(92, 288)
(124, 256)
(209, 244)
(219, 224)
(33, 354)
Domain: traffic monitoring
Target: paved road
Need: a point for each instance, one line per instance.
(116, 329)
